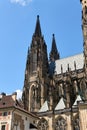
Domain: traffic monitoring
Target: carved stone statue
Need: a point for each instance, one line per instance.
(75, 87)
(83, 88)
(61, 91)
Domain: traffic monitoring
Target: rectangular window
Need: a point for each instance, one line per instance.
(4, 113)
(3, 127)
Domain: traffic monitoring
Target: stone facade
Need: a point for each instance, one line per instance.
(56, 89)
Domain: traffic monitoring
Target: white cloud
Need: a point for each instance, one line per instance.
(21, 2)
(19, 94)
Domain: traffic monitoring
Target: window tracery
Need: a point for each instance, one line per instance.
(35, 95)
(60, 124)
(43, 124)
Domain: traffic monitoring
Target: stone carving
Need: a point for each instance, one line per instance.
(75, 87)
(43, 124)
(76, 124)
(84, 14)
(83, 88)
(61, 91)
(18, 121)
(60, 124)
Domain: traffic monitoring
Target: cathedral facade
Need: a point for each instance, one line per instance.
(56, 89)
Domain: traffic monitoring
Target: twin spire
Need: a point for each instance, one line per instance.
(54, 54)
(38, 28)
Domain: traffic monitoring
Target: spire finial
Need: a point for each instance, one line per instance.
(38, 28)
(38, 16)
(53, 34)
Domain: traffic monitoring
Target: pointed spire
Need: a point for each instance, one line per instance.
(38, 28)
(54, 52)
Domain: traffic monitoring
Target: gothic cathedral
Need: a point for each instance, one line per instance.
(56, 89)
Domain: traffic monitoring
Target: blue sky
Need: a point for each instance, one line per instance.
(17, 25)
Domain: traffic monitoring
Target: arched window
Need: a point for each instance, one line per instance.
(43, 124)
(35, 96)
(60, 124)
(76, 123)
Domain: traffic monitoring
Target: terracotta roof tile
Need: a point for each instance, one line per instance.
(6, 101)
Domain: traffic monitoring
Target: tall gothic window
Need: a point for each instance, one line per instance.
(34, 61)
(43, 124)
(60, 124)
(76, 123)
(35, 96)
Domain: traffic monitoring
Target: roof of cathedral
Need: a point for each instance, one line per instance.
(60, 105)
(44, 107)
(69, 61)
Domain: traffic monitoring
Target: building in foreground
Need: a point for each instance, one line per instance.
(56, 89)
(13, 116)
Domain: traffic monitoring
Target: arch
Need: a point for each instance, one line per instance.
(34, 96)
(60, 123)
(42, 124)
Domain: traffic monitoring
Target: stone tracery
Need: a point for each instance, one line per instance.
(76, 123)
(60, 124)
(43, 124)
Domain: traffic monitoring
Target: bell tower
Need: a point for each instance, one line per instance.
(34, 91)
(84, 29)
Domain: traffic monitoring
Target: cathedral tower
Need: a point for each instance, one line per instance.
(35, 89)
(84, 29)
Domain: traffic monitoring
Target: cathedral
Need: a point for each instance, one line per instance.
(55, 89)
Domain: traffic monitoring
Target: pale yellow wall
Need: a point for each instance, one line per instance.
(83, 117)
(51, 120)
